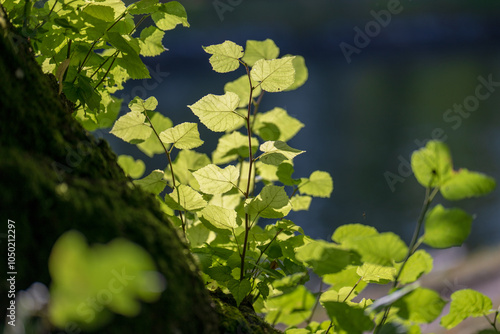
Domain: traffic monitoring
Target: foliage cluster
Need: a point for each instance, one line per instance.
(232, 206)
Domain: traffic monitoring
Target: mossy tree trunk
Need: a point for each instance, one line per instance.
(42, 148)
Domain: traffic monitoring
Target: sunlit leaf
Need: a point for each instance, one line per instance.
(418, 264)
(272, 202)
(319, 184)
(276, 124)
(446, 227)
(219, 217)
(225, 56)
(217, 112)
(214, 180)
(231, 146)
(153, 183)
(348, 319)
(275, 152)
(274, 75)
(182, 136)
(131, 167)
(465, 184)
(169, 15)
(432, 164)
(421, 305)
(152, 145)
(374, 273)
(290, 308)
(186, 198)
(241, 87)
(466, 303)
(256, 50)
(150, 42)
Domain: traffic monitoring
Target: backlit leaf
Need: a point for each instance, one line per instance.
(432, 164)
(152, 145)
(348, 319)
(319, 184)
(221, 218)
(276, 124)
(325, 258)
(169, 15)
(150, 42)
(466, 303)
(231, 146)
(241, 86)
(214, 180)
(272, 202)
(182, 136)
(131, 167)
(132, 128)
(186, 198)
(274, 75)
(217, 112)
(275, 152)
(421, 306)
(374, 273)
(187, 161)
(256, 50)
(301, 72)
(153, 183)
(300, 203)
(446, 227)
(225, 56)
(465, 184)
(418, 264)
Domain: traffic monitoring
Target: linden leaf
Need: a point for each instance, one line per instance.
(219, 217)
(232, 145)
(319, 184)
(432, 164)
(150, 42)
(466, 303)
(214, 180)
(374, 273)
(241, 86)
(153, 183)
(256, 50)
(239, 289)
(465, 184)
(274, 75)
(225, 56)
(275, 152)
(185, 198)
(169, 15)
(301, 72)
(276, 124)
(446, 227)
(152, 145)
(217, 112)
(131, 167)
(272, 202)
(131, 127)
(182, 136)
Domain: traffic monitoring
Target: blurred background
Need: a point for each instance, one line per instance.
(369, 102)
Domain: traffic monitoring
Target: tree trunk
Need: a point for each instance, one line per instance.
(42, 150)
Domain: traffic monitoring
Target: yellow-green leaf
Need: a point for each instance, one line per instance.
(275, 152)
(182, 136)
(256, 50)
(319, 184)
(217, 112)
(432, 164)
(274, 75)
(214, 180)
(131, 127)
(131, 167)
(225, 56)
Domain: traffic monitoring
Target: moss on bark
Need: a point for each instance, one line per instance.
(55, 176)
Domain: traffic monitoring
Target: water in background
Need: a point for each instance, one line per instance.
(364, 117)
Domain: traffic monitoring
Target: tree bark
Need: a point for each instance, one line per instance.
(43, 150)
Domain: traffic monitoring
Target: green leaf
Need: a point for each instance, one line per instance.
(217, 112)
(300, 203)
(350, 233)
(221, 218)
(150, 42)
(348, 319)
(186, 198)
(382, 249)
(290, 308)
(131, 128)
(241, 87)
(131, 167)
(446, 227)
(325, 258)
(347, 277)
(391, 298)
(373, 273)
(466, 303)
(239, 289)
(272, 202)
(284, 173)
(187, 161)
(182, 136)
(214, 180)
(225, 56)
(274, 75)
(72, 261)
(301, 72)
(123, 43)
(418, 264)
(276, 124)
(133, 65)
(319, 184)
(153, 183)
(432, 164)
(256, 50)
(169, 15)
(421, 306)
(104, 13)
(232, 145)
(275, 152)
(143, 7)
(152, 145)
(138, 104)
(465, 184)
(220, 273)
(266, 172)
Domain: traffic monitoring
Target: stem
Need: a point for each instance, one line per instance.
(264, 250)
(320, 292)
(429, 196)
(345, 299)
(250, 165)
(167, 153)
(109, 69)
